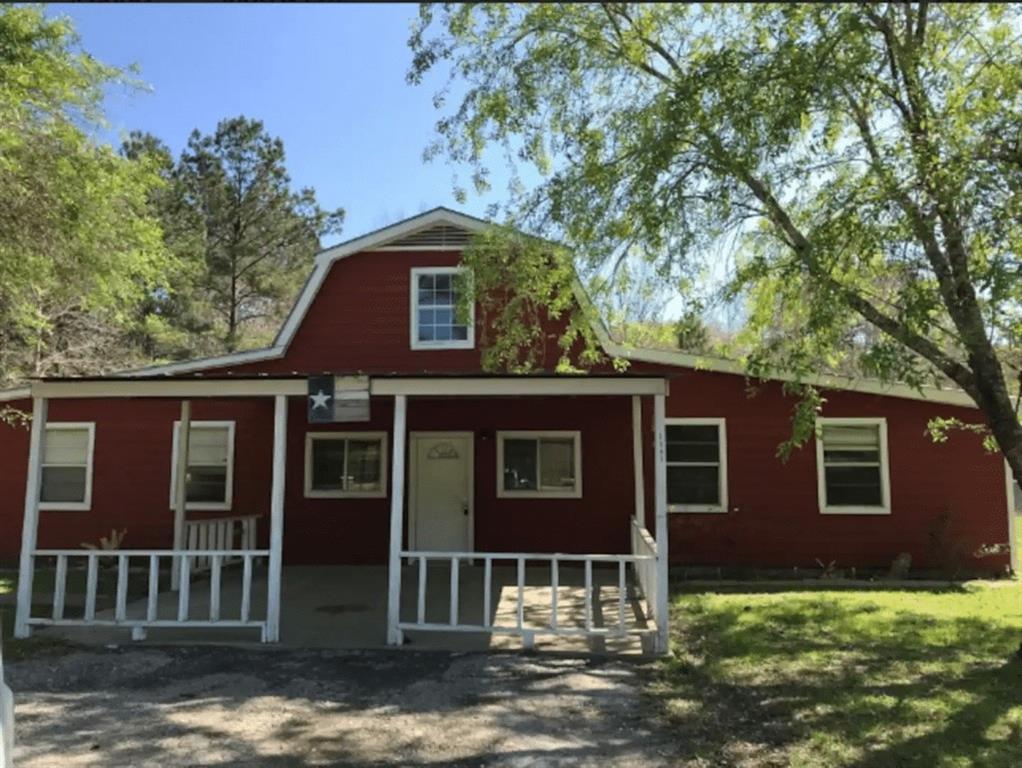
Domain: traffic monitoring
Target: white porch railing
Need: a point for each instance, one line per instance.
(644, 545)
(184, 611)
(589, 626)
(232, 534)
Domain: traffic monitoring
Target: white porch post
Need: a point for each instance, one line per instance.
(640, 484)
(276, 519)
(397, 499)
(184, 436)
(660, 475)
(30, 520)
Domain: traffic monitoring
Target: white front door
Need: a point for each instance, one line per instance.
(441, 491)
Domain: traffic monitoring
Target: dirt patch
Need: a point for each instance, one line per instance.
(224, 706)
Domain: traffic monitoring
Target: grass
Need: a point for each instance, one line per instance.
(850, 678)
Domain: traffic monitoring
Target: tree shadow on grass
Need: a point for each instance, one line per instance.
(818, 680)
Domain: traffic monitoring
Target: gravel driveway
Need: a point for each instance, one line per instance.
(184, 706)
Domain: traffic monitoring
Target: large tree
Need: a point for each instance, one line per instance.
(259, 235)
(78, 251)
(866, 159)
(176, 320)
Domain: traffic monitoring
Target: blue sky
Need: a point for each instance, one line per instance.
(327, 79)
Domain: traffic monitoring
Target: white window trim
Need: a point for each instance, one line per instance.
(311, 493)
(721, 425)
(86, 503)
(468, 343)
(205, 506)
(885, 469)
(574, 493)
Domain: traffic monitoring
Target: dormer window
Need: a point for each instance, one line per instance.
(435, 308)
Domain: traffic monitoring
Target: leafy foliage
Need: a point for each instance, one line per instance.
(862, 160)
(499, 258)
(258, 235)
(78, 251)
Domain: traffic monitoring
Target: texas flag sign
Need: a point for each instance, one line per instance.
(321, 399)
(330, 401)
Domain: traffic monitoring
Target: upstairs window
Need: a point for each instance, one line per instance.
(696, 465)
(851, 460)
(539, 464)
(210, 477)
(435, 308)
(66, 466)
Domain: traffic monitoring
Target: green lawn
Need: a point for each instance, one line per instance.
(846, 678)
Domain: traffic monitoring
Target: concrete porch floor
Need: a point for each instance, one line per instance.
(345, 607)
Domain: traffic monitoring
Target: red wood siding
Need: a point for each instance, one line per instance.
(774, 519)
(131, 480)
(357, 530)
(131, 471)
(360, 322)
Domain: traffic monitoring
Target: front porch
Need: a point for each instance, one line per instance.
(220, 581)
(345, 608)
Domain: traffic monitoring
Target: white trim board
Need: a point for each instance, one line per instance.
(514, 386)
(1009, 492)
(843, 383)
(18, 393)
(177, 388)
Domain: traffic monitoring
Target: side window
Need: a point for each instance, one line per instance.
(852, 468)
(210, 481)
(66, 469)
(696, 465)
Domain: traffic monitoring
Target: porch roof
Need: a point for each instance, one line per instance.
(294, 384)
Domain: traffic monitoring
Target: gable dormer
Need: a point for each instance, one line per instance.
(384, 302)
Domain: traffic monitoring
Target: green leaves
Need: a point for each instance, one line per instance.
(77, 249)
(859, 163)
(257, 235)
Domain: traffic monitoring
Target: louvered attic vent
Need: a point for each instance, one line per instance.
(442, 235)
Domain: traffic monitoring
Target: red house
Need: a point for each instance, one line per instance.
(369, 434)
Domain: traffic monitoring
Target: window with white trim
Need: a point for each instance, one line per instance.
(435, 299)
(696, 465)
(345, 464)
(210, 480)
(539, 464)
(66, 466)
(852, 467)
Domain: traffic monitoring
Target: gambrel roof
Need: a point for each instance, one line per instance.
(443, 229)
